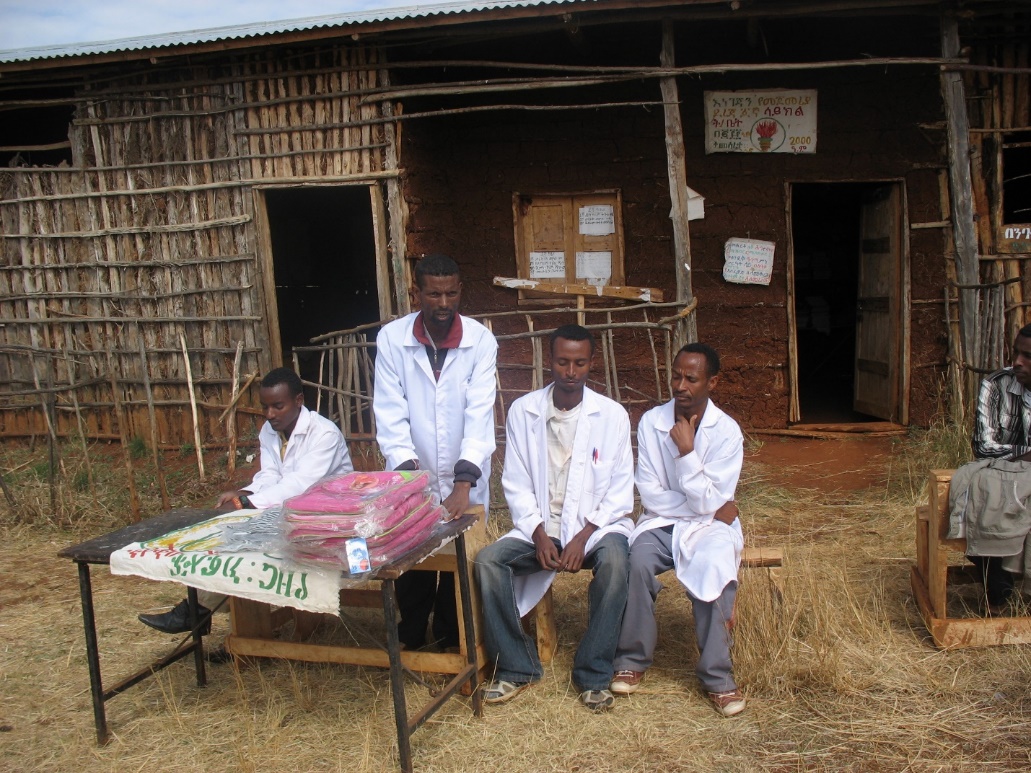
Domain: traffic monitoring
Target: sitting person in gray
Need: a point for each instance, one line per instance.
(989, 498)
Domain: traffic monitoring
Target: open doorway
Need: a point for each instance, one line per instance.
(323, 244)
(847, 253)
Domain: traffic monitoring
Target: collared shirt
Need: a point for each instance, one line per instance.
(1002, 427)
(437, 352)
(561, 431)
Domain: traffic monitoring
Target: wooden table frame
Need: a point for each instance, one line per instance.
(254, 624)
(98, 551)
(932, 575)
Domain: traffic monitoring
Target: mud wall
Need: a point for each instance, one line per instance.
(875, 124)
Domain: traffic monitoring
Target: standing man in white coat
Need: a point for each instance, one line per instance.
(689, 456)
(434, 405)
(568, 480)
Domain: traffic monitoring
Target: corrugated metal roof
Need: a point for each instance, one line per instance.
(257, 29)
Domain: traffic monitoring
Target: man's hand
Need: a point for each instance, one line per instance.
(547, 554)
(573, 553)
(727, 513)
(682, 434)
(457, 501)
(1024, 458)
(225, 499)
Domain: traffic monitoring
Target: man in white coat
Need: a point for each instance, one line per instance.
(434, 407)
(568, 480)
(689, 461)
(298, 448)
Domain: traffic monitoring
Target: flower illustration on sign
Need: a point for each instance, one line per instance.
(766, 130)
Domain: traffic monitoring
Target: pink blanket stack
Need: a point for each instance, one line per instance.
(393, 511)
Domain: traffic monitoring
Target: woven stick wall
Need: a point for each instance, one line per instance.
(633, 355)
(150, 235)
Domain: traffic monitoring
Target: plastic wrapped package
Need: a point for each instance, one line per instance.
(393, 511)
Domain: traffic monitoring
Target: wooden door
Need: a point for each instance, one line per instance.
(877, 307)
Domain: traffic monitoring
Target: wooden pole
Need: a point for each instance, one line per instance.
(81, 424)
(46, 403)
(152, 416)
(134, 498)
(193, 409)
(961, 192)
(231, 411)
(676, 167)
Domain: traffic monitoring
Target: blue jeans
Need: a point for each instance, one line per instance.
(512, 650)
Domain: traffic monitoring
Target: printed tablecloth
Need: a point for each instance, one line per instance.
(208, 555)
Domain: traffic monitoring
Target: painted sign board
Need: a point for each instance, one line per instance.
(770, 121)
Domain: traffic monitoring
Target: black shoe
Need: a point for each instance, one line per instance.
(178, 619)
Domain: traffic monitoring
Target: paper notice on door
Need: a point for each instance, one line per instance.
(748, 261)
(547, 265)
(597, 220)
(595, 267)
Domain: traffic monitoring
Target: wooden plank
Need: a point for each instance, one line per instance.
(544, 623)
(762, 556)
(433, 662)
(647, 294)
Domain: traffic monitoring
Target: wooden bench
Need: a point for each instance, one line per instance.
(932, 575)
(544, 613)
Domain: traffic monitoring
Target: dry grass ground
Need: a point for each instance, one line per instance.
(838, 669)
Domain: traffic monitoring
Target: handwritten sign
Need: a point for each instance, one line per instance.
(769, 121)
(748, 261)
(594, 266)
(203, 556)
(597, 220)
(547, 265)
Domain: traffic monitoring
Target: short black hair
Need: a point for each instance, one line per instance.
(1024, 332)
(435, 265)
(278, 376)
(571, 333)
(712, 359)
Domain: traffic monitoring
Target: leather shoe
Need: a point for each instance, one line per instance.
(177, 620)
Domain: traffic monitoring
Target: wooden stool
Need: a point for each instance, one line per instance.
(932, 575)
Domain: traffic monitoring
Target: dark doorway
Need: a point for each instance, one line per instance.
(826, 224)
(324, 253)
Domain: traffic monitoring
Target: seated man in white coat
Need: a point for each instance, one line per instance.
(568, 480)
(298, 448)
(689, 456)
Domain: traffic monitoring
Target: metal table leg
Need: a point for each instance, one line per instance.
(397, 685)
(92, 652)
(198, 640)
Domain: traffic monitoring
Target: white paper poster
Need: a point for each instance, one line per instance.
(771, 121)
(547, 265)
(597, 220)
(748, 261)
(594, 265)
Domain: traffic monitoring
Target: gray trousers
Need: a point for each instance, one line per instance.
(650, 556)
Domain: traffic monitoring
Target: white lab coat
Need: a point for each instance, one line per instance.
(437, 422)
(686, 491)
(316, 448)
(599, 489)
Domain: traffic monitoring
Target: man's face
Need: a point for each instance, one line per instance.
(439, 298)
(1022, 361)
(570, 365)
(691, 383)
(281, 408)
